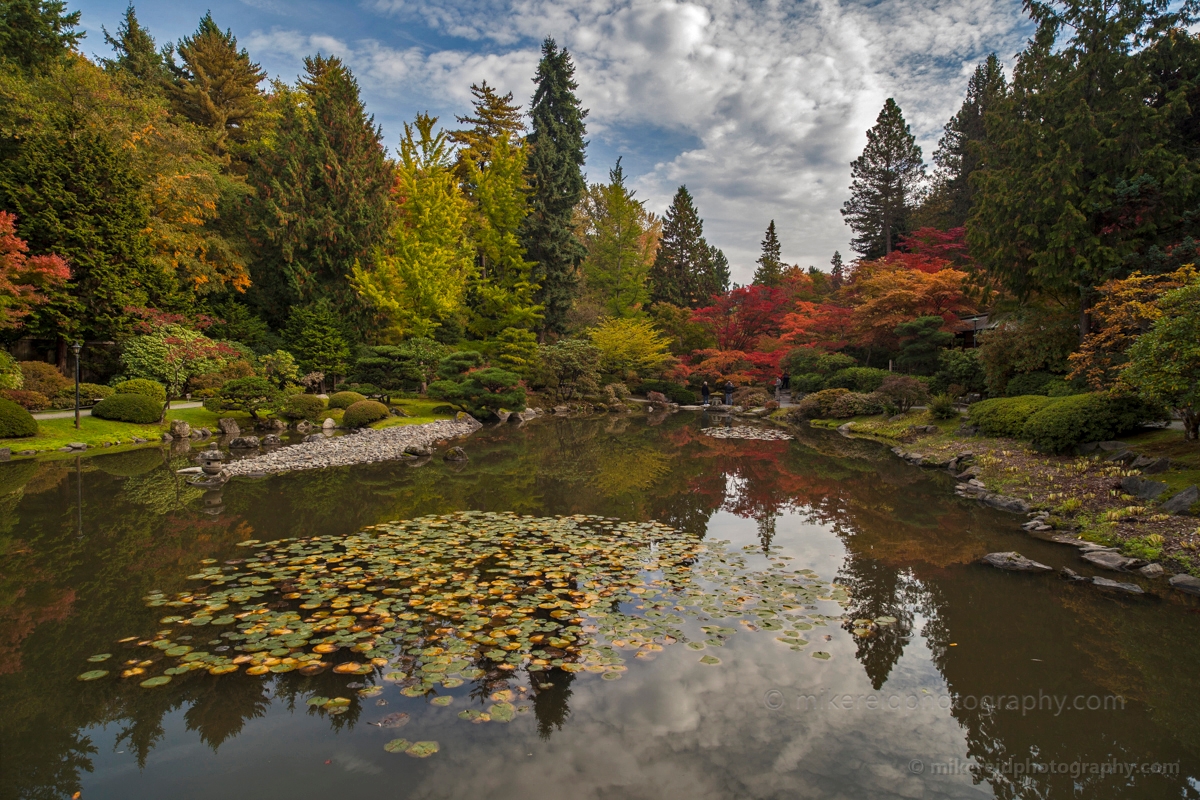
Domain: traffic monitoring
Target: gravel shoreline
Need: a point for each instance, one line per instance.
(357, 448)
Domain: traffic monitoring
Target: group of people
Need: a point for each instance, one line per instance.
(781, 386)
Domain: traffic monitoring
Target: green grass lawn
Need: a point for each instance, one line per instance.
(102, 435)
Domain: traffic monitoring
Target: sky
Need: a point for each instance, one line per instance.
(757, 106)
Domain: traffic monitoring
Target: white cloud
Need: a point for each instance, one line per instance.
(776, 96)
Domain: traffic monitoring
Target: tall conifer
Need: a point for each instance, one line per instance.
(556, 184)
(34, 33)
(136, 54)
(837, 271)
(687, 270)
(770, 267)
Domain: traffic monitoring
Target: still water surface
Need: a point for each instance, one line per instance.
(980, 688)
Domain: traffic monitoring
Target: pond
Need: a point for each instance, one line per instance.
(806, 618)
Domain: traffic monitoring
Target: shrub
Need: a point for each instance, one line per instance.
(942, 407)
(675, 392)
(15, 421)
(960, 368)
(88, 392)
(1061, 387)
(808, 382)
(145, 387)
(302, 406)
(1068, 421)
(38, 376)
(122, 407)
(818, 404)
(244, 394)
(903, 391)
(1029, 383)
(481, 392)
(629, 344)
(26, 399)
(363, 413)
(570, 367)
(10, 372)
(750, 396)
(616, 392)
(1006, 416)
(345, 399)
(855, 404)
(857, 379)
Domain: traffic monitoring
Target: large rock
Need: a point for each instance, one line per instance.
(1186, 583)
(1142, 488)
(180, 429)
(1109, 585)
(455, 454)
(5, 453)
(1182, 502)
(271, 425)
(1012, 504)
(419, 450)
(1108, 559)
(315, 437)
(271, 440)
(1151, 465)
(1110, 447)
(502, 415)
(228, 426)
(244, 443)
(1152, 571)
(1125, 457)
(657, 397)
(304, 426)
(328, 424)
(1014, 562)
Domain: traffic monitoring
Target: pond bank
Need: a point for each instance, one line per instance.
(367, 446)
(1100, 496)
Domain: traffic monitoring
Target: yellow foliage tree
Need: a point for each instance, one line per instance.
(630, 343)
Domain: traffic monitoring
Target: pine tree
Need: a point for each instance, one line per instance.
(770, 267)
(621, 238)
(323, 191)
(136, 53)
(556, 182)
(885, 186)
(34, 33)
(957, 156)
(216, 87)
(837, 274)
(496, 118)
(687, 270)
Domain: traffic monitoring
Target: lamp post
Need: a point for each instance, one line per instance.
(77, 347)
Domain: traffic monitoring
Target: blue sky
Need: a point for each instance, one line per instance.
(757, 105)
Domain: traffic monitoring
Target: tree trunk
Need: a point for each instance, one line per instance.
(60, 355)
(1085, 321)
(1191, 424)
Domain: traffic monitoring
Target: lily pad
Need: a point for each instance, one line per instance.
(422, 749)
(96, 659)
(159, 680)
(821, 654)
(709, 660)
(443, 701)
(397, 745)
(92, 675)
(502, 712)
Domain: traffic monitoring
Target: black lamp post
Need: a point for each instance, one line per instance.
(77, 347)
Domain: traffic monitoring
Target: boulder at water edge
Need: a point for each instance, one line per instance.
(244, 443)
(180, 429)
(1014, 562)
(1186, 583)
(228, 426)
(455, 454)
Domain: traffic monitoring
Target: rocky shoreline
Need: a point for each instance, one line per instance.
(364, 447)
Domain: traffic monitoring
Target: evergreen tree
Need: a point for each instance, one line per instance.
(886, 182)
(496, 118)
(323, 189)
(837, 274)
(136, 53)
(216, 86)
(770, 267)
(556, 182)
(34, 33)
(687, 271)
(316, 336)
(957, 156)
(621, 238)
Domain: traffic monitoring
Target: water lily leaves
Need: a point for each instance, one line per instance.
(821, 654)
(710, 660)
(92, 675)
(317, 701)
(160, 680)
(442, 701)
(176, 652)
(395, 720)
(397, 745)
(502, 712)
(96, 659)
(422, 749)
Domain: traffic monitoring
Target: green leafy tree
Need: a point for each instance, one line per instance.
(885, 183)
(34, 33)
(630, 345)
(477, 390)
(421, 278)
(280, 368)
(252, 395)
(1164, 363)
(555, 175)
(323, 188)
(216, 85)
(516, 351)
(570, 367)
(770, 265)
(621, 238)
(172, 355)
(314, 334)
(137, 56)
(921, 340)
(391, 366)
(687, 271)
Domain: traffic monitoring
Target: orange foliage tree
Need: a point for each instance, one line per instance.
(25, 280)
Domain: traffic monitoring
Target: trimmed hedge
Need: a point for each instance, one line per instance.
(808, 382)
(26, 399)
(15, 421)
(1068, 421)
(302, 406)
(145, 387)
(363, 413)
(1006, 416)
(857, 379)
(818, 405)
(345, 399)
(124, 407)
(856, 404)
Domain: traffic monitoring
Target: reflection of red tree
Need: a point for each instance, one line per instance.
(23, 620)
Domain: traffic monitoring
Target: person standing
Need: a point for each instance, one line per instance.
(704, 393)
(728, 393)
(778, 388)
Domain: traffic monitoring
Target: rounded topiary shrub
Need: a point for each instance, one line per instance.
(15, 421)
(345, 399)
(1081, 418)
(145, 387)
(130, 408)
(363, 413)
(806, 383)
(1006, 416)
(857, 379)
(302, 406)
(817, 405)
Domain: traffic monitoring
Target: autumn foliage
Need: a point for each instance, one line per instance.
(25, 280)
